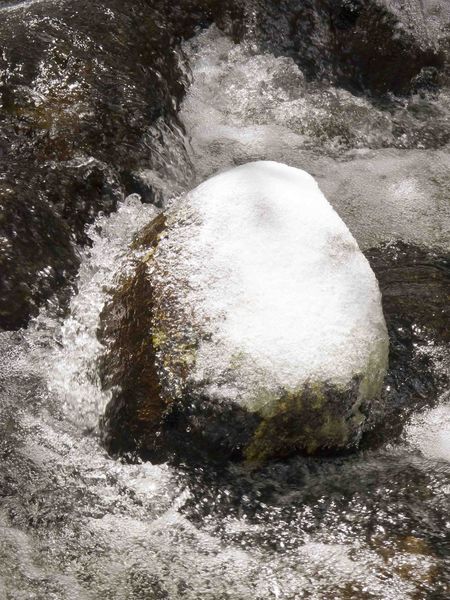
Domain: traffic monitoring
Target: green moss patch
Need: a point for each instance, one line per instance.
(318, 417)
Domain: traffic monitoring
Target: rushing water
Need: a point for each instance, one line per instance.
(77, 524)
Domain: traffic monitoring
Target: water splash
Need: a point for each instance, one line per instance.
(75, 524)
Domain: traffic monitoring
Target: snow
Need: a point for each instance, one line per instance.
(270, 275)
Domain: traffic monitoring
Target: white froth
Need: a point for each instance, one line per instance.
(430, 432)
(281, 290)
(244, 106)
(74, 362)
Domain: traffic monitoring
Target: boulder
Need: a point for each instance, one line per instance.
(80, 82)
(256, 319)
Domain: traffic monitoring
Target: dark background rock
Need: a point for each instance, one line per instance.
(128, 368)
(370, 46)
(415, 287)
(36, 253)
(81, 83)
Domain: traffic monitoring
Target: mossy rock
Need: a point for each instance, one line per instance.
(161, 407)
(141, 420)
(320, 423)
(128, 368)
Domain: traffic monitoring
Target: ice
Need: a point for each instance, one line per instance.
(276, 282)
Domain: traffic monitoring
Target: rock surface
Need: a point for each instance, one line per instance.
(376, 46)
(87, 91)
(265, 322)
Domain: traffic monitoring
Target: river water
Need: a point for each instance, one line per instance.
(371, 524)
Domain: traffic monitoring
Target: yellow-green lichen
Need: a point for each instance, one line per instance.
(149, 236)
(308, 419)
(159, 337)
(375, 370)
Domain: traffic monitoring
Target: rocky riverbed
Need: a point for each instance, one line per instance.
(108, 111)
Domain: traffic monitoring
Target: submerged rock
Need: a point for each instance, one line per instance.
(415, 285)
(252, 324)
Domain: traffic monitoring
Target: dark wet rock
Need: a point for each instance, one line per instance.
(155, 349)
(129, 366)
(79, 87)
(323, 427)
(415, 285)
(135, 182)
(81, 84)
(43, 214)
(36, 254)
(139, 420)
(79, 189)
(369, 45)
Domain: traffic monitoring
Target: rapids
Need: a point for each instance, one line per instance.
(76, 524)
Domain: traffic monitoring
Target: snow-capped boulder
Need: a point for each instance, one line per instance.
(264, 320)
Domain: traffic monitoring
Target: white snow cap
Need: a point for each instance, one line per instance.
(275, 281)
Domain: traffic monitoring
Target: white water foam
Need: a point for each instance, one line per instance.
(244, 106)
(77, 525)
(74, 360)
(430, 432)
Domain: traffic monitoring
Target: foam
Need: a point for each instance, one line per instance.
(430, 432)
(244, 106)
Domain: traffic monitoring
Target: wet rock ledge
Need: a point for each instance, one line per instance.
(81, 85)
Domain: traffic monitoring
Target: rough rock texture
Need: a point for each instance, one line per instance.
(377, 46)
(130, 362)
(81, 85)
(260, 316)
(404, 268)
(36, 254)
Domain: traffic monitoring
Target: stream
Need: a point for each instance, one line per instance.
(373, 523)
